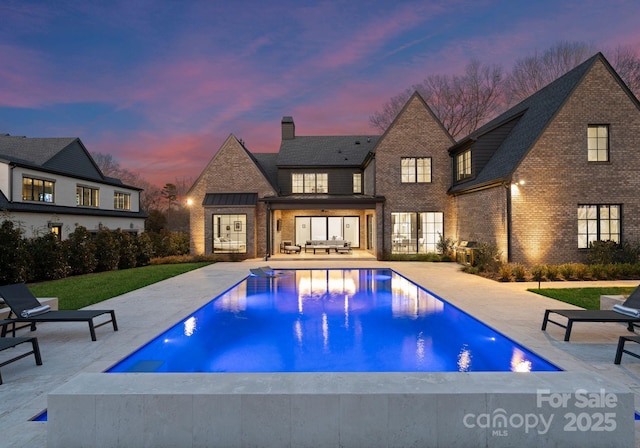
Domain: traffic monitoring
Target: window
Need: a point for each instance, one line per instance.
(416, 232)
(463, 165)
(122, 201)
(37, 190)
(598, 223)
(87, 196)
(230, 233)
(309, 183)
(415, 169)
(598, 143)
(357, 183)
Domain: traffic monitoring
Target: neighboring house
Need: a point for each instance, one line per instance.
(541, 181)
(53, 185)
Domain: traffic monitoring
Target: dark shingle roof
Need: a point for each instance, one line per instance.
(535, 112)
(312, 151)
(35, 151)
(267, 162)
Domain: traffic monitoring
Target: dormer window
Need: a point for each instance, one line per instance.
(463, 165)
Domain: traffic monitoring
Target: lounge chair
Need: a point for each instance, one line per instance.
(632, 303)
(620, 350)
(6, 343)
(27, 308)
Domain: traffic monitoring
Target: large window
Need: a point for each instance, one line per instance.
(415, 169)
(87, 196)
(37, 190)
(230, 233)
(309, 183)
(122, 201)
(416, 232)
(598, 223)
(463, 165)
(598, 143)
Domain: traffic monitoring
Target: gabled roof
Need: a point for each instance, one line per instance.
(266, 162)
(66, 156)
(527, 121)
(326, 151)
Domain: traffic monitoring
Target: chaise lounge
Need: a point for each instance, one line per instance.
(27, 308)
(6, 343)
(627, 313)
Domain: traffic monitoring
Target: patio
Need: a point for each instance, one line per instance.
(507, 307)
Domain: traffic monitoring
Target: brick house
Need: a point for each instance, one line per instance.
(555, 172)
(541, 181)
(54, 185)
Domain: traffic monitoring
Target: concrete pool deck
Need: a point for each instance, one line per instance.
(68, 351)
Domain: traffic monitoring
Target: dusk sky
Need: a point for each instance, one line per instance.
(160, 85)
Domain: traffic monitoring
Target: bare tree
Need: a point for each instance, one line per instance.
(532, 73)
(627, 63)
(461, 103)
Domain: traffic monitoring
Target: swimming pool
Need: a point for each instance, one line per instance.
(330, 320)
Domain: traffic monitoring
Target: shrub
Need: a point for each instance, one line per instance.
(504, 272)
(487, 257)
(14, 257)
(598, 271)
(610, 252)
(551, 271)
(107, 250)
(48, 258)
(126, 250)
(567, 271)
(144, 249)
(582, 271)
(538, 272)
(519, 272)
(81, 252)
(444, 246)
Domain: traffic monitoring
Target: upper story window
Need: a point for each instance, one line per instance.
(37, 189)
(87, 196)
(415, 169)
(122, 201)
(309, 183)
(598, 223)
(357, 183)
(463, 165)
(598, 143)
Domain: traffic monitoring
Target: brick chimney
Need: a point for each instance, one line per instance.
(288, 128)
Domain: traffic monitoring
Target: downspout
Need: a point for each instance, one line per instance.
(508, 187)
(268, 227)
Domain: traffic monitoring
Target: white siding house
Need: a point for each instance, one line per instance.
(53, 185)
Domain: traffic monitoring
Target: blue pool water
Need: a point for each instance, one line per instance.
(335, 320)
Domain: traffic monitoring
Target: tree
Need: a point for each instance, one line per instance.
(532, 73)
(627, 63)
(461, 103)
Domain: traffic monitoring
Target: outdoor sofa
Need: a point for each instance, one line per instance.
(326, 245)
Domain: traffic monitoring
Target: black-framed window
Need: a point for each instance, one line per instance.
(463, 165)
(598, 143)
(598, 223)
(415, 169)
(121, 201)
(309, 182)
(87, 196)
(229, 233)
(416, 232)
(40, 190)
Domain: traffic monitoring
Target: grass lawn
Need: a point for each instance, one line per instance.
(83, 290)
(588, 298)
